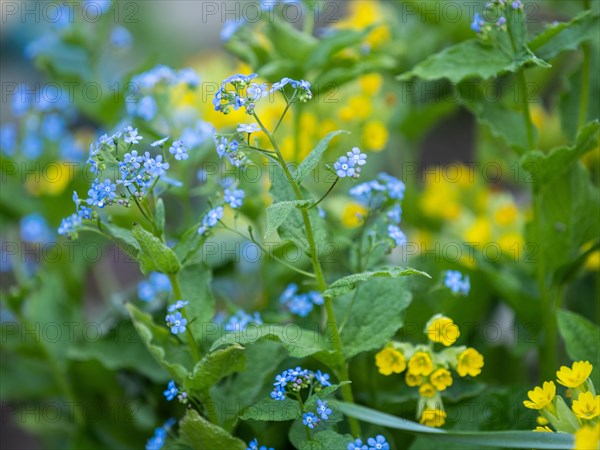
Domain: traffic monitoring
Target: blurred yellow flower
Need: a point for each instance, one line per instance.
(541, 420)
(506, 214)
(575, 375)
(420, 364)
(374, 136)
(442, 330)
(587, 406)
(353, 215)
(433, 417)
(389, 360)
(587, 438)
(512, 243)
(540, 397)
(479, 232)
(52, 179)
(543, 429)
(470, 363)
(413, 380)
(427, 390)
(371, 83)
(441, 379)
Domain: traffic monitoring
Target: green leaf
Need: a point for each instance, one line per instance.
(293, 228)
(581, 338)
(568, 218)
(330, 45)
(313, 158)
(123, 238)
(503, 121)
(195, 288)
(213, 367)
(167, 351)
(200, 434)
(505, 439)
(546, 168)
(189, 245)
(470, 59)
(375, 316)
(566, 35)
(299, 342)
(327, 440)
(311, 402)
(269, 410)
(119, 349)
(349, 283)
(154, 256)
(277, 213)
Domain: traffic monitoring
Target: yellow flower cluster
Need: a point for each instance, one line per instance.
(428, 369)
(471, 210)
(582, 419)
(367, 13)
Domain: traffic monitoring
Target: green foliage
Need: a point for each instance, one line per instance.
(581, 338)
(154, 255)
(508, 439)
(269, 410)
(277, 213)
(198, 433)
(314, 157)
(351, 282)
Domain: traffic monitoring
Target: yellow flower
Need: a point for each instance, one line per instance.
(544, 428)
(420, 364)
(380, 35)
(443, 330)
(52, 179)
(575, 376)
(541, 420)
(353, 215)
(586, 406)
(361, 106)
(441, 379)
(374, 136)
(346, 114)
(506, 214)
(541, 397)
(470, 363)
(479, 232)
(512, 243)
(587, 438)
(370, 83)
(433, 417)
(389, 360)
(413, 380)
(427, 390)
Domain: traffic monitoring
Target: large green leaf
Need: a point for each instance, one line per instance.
(123, 238)
(120, 349)
(195, 287)
(167, 351)
(375, 315)
(154, 255)
(277, 213)
(545, 168)
(189, 245)
(200, 434)
(312, 160)
(311, 402)
(269, 410)
(349, 283)
(299, 342)
(557, 38)
(504, 439)
(568, 218)
(213, 367)
(245, 388)
(469, 59)
(581, 338)
(327, 440)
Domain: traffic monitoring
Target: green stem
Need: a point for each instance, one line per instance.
(585, 85)
(174, 278)
(301, 403)
(314, 205)
(340, 363)
(526, 112)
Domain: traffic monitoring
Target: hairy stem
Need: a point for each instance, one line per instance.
(340, 363)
